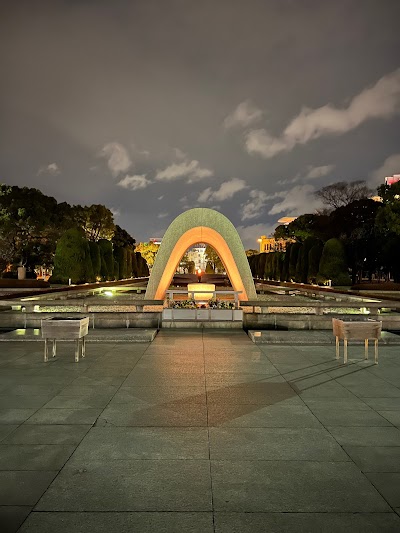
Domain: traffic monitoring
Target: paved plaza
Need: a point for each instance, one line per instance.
(199, 431)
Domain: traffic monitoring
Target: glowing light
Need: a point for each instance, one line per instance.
(108, 293)
(203, 296)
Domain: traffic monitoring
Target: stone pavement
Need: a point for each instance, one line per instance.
(199, 431)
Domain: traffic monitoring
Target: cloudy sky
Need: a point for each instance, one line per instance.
(152, 107)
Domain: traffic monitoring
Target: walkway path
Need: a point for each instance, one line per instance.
(198, 432)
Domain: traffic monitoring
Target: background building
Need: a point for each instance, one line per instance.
(197, 254)
(270, 244)
(392, 179)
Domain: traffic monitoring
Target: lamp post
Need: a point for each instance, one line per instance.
(199, 275)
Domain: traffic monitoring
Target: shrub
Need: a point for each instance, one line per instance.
(314, 257)
(96, 258)
(294, 252)
(107, 269)
(333, 264)
(121, 257)
(72, 259)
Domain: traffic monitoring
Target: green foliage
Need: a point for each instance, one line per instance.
(122, 239)
(72, 259)
(314, 258)
(96, 258)
(251, 259)
(343, 193)
(285, 266)
(148, 251)
(251, 252)
(389, 193)
(116, 269)
(135, 273)
(294, 252)
(213, 258)
(187, 265)
(107, 267)
(283, 231)
(143, 269)
(262, 258)
(32, 223)
(29, 223)
(303, 258)
(128, 262)
(333, 264)
(209, 269)
(391, 252)
(277, 265)
(121, 257)
(268, 267)
(97, 221)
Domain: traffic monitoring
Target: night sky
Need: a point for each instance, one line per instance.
(153, 107)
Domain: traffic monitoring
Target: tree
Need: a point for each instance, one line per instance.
(97, 221)
(107, 259)
(354, 224)
(187, 265)
(142, 268)
(294, 252)
(213, 258)
(251, 252)
(72, 258)
(28, 220)
(333, 264)
(262, 258)
(122, 239)
(314, 258)
(302, 260)
(343, 193)
(96, 258)
(148, 250)
(134, 269)
(121, 259)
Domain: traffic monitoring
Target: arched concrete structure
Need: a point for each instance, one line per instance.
(213, 228)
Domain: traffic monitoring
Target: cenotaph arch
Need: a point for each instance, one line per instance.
(206, 226)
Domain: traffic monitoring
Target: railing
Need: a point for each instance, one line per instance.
(170, 294)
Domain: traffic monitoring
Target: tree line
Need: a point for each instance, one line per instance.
(82, 243)
(352, 238)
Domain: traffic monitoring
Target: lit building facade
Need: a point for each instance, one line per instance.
(392, 179)
(270, 244)
(197, 254)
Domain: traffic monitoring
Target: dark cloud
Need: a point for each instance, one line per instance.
(159, 79)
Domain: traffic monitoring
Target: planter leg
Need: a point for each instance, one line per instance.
(337, 347)
(345, 352)
(366, 349)
(77, 351)
(45, 351)
(376, 351)
(54, 347)
(83, 347)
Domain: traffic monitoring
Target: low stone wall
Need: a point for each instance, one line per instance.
(288, 321)
(18, 319)
(266, 321)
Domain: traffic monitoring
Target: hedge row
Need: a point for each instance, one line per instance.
(83, 261)
(307, 262)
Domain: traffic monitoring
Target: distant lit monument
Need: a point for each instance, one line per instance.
(209, 227)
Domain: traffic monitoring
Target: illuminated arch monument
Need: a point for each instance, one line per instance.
(210, 227)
